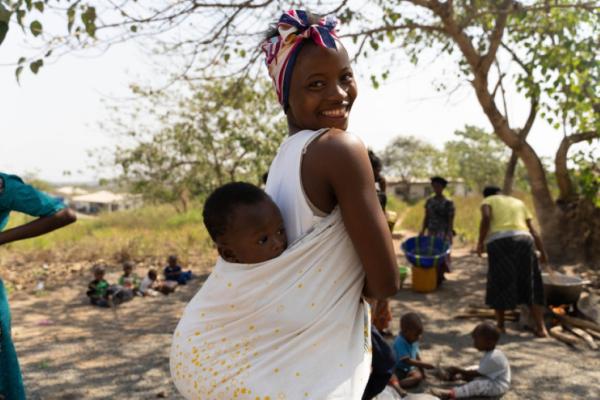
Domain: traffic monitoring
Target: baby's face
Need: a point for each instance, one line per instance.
(255, 234)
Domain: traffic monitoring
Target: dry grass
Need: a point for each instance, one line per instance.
(146, 235)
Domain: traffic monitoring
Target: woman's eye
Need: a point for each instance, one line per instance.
(281, 231)
(347, 77)
(262, 240)
(316, 84)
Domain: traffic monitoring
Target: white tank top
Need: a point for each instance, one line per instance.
(284, 185)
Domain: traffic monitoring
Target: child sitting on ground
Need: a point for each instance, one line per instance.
(244, 223)
(129, 279)
(174, 272)
(492, 378)
(98, 289)
(409, 367)
(150, 285)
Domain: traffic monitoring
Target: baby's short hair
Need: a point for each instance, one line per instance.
(410, 321)
(221, 203)
(488, 331)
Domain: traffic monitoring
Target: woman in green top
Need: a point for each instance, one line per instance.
(17, 196)
(514, 275)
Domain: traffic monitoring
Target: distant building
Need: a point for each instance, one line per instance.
(416, 189)
(105, 201)
(69, 192)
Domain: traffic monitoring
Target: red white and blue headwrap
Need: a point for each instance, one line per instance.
(281, 51)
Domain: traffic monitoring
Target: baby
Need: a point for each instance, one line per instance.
(409, 367)
(492, 378)
(244, 223)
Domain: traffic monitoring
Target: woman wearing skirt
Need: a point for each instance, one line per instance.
(514, 275)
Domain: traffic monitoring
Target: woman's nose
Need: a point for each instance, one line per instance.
(338, 93)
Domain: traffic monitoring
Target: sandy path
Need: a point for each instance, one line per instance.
(70, 350)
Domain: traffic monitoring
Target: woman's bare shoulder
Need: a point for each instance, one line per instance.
(340, 145)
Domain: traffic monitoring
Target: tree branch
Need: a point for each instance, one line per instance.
(496, 36)
(565, 186)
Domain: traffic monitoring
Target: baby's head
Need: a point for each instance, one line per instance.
(485, 336)
(127, 268)
(244, 223)
(172, 260)
(152, 274)
(99, 270)
(411, 327)
(311, 71)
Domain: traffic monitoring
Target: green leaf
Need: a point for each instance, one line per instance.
(21, 60)
(39, 5)
(18, 73)
(89, 20)
(36, 65)
(36, 28)
(226, 57)
(70, 17)
(133, 28)
(3, 30)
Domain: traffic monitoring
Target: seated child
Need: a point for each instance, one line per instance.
(174, 272)
(244, 223)
(98, 289)
(150, 285)
(409, 367)
(129, 279)
(492, 378)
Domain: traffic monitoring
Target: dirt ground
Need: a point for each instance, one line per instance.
(70, 350)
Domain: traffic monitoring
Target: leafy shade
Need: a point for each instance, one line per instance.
(222, 131)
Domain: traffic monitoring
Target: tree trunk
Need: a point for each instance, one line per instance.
(567, 234)
(509, 174)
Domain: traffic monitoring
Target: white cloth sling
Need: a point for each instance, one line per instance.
(290, 328)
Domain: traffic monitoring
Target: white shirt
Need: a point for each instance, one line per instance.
(494, 366)
(146, 284)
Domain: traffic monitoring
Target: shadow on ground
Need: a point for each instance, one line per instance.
(70, 350)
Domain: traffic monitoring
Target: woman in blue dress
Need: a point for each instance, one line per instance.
(52, 214)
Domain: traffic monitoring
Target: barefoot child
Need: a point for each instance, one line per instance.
(150, 286)
(492, 378)
(409, 367)
(98, 289)
(173, 271)
(129, 279)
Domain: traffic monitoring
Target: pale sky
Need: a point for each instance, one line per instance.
(49, 123)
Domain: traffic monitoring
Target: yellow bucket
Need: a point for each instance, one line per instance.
(424, 280)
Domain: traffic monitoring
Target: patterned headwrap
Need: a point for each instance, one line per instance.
(281, 51)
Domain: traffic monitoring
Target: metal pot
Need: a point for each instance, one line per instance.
(562, 289)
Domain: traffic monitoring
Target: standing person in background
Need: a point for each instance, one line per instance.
(439, 219)
(381, 313)
(15, 195)
(380, 182)
(507, 234)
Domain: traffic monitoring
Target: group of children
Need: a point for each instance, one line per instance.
(103, 294)
(491, 378)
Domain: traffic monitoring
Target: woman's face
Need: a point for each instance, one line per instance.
(322, 89)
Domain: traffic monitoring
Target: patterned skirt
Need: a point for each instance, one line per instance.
(514, 275)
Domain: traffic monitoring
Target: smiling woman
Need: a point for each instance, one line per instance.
(320, 178)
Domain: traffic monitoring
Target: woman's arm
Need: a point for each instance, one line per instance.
(538, 242)
(342, 160)
(39, 226)
(424, 228)
(484, 227)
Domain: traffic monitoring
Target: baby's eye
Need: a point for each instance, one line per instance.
(281, 231)
(263, 240)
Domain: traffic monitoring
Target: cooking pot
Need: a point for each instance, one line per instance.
(562, 289)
